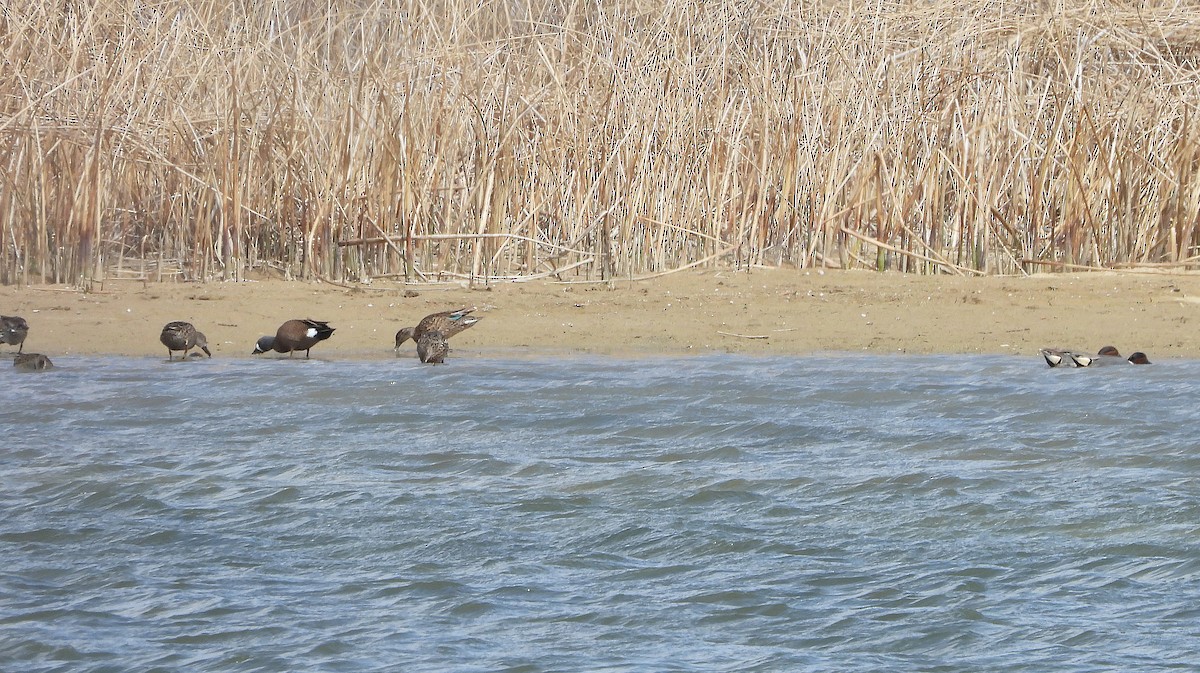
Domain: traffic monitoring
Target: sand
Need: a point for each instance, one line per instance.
(764, 311)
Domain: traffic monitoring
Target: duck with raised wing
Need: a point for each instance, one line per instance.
(448, 323)
(32, 362)
(1138, 358)
(432, 347)
(13, 330)
(294, 335)
(183, 336)
(1059, 357)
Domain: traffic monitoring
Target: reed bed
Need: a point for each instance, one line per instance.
(487, 140)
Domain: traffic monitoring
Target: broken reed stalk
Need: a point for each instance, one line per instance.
(744, 336)
(621, 140)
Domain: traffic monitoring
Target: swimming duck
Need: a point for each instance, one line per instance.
(183, 336)
(1138, 358)
(1058, 357)
(32, 362)
(432, 347)
(294, 335)
(13, 330)
(448, 323)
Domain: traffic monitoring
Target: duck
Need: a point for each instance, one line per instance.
(183, 336)
(432, 347)
(448, 323)
(13, 330)
(32, 362)
(294, 335)
(1060, 357)
(1138, 358)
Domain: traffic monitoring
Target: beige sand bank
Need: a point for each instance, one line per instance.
(798, 312)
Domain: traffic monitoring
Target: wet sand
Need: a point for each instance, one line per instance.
(765, 311)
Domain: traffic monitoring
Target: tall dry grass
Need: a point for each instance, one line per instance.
(593, 140)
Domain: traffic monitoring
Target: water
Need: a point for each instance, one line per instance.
(841, 512)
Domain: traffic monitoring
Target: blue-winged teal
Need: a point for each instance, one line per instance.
(32, 362)
(1138, 358)
(182, 336)
(294, 335)
(432, 347)
(13, 330)
(1059, 357)
(448, 323)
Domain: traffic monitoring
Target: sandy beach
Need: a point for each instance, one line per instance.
(764, 311)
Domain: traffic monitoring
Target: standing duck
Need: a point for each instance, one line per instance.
(432, 347)
(13, 330)
(183, 336)
(294, 335)
(32, 362)
(1058, 357)
(448, 323)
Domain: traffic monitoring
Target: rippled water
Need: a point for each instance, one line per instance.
(845, 513)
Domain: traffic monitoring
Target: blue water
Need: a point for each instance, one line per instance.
(833, 513)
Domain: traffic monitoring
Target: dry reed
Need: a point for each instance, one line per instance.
(489, 140)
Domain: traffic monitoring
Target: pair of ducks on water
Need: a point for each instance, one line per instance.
(431, 336)
(1109, 355)
(13, 330)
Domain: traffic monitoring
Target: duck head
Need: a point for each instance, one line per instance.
(403, 335)
(202, 343)
(264, 345)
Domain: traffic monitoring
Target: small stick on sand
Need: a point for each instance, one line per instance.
(744, 336)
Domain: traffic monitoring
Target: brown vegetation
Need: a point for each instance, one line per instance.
(360, 140)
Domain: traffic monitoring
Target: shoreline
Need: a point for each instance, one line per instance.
(760, 312)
